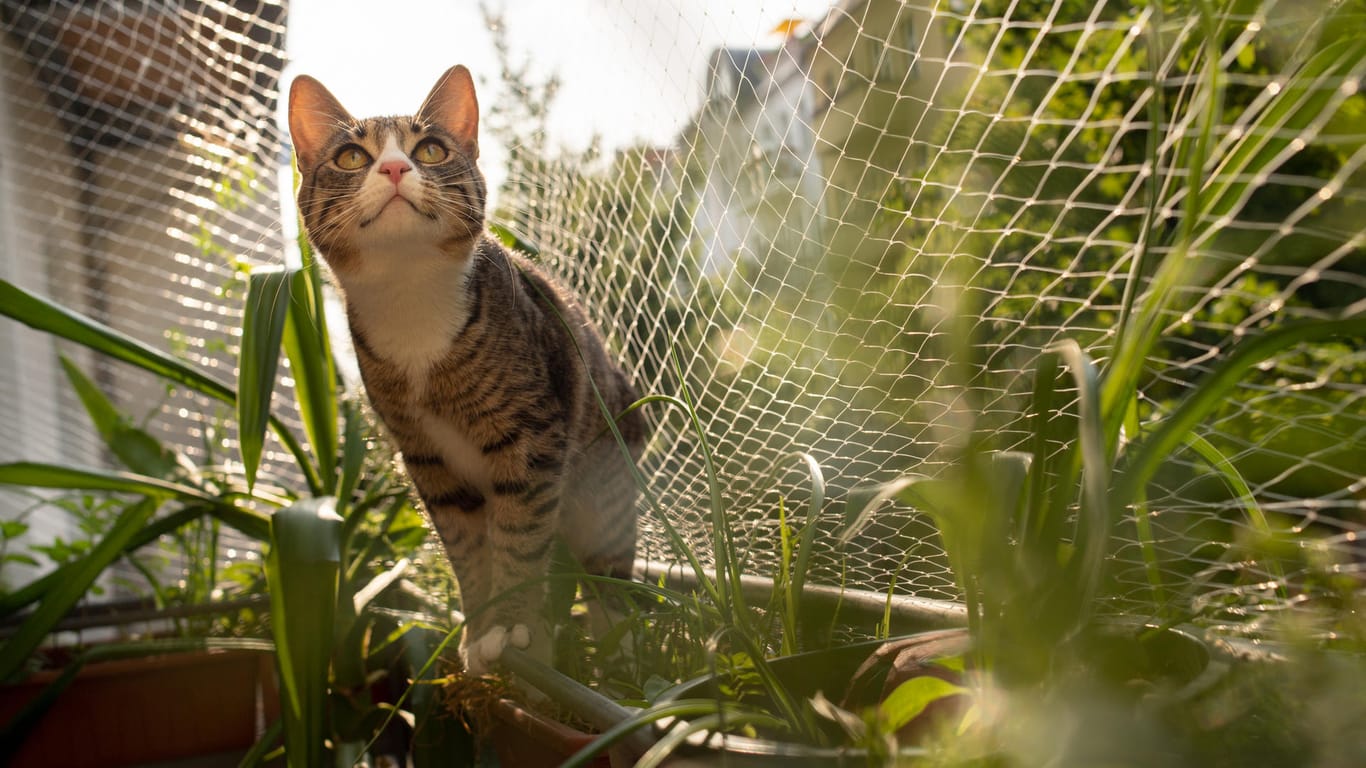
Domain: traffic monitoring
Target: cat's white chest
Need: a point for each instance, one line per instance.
(408, 313)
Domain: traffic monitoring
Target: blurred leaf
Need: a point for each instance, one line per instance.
(907, 701)
(136, 449)
(511, 239)
(1285, 120)
(851, 723)
(1093, 519)
(263, 324)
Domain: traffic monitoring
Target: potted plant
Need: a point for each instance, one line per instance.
(348, 628)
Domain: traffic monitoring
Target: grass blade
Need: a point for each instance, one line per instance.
(36, 475)
(806, 543)
(1284, 124)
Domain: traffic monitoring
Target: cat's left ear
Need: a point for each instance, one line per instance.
(314, 116)
(452, 105)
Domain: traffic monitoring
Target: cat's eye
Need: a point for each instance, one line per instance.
(352, 158)
(429, 151)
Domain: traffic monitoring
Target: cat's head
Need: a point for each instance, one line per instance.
(388, 184)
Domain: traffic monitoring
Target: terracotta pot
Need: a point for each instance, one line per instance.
(148, 709)
(523, 737)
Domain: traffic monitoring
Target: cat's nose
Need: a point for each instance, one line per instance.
(394, 169)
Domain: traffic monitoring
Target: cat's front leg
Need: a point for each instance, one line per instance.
(523, 519)
(464, 534)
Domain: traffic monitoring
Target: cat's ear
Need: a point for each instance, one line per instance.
(452, 105)
(314, 115)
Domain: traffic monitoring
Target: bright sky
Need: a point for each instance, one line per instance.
(630, 70)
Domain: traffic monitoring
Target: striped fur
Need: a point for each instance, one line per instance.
(478, 364)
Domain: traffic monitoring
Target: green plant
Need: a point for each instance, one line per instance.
(338, 548)
(1030, 532)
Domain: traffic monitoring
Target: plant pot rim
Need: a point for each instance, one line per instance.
(544, 729)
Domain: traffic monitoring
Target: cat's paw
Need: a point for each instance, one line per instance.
(486, 650)
(520, 636)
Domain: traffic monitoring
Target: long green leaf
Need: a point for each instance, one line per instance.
(907, 701)
(137, 449)
(1093, 521)
(723, 546)
(43, 315)
(303, 574)
(37, 475)
(59, 600)
(1039, 522)
(46, 316)
(263, 327)
(314, 371)
(806, 544)
(1143, 458)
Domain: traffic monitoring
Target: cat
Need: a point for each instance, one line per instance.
(477, 362)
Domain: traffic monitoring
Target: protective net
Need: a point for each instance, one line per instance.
(870, 230)
(865, 234)
(139, 159)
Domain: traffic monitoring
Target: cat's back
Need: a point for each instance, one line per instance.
(542, 322)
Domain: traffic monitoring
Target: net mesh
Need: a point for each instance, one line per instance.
(138, 157)
(867, 230)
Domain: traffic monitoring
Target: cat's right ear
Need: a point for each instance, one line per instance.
(452, 105)
(314, 115)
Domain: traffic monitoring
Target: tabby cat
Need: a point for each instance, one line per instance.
(481, 367)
